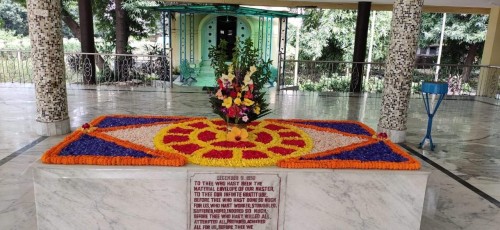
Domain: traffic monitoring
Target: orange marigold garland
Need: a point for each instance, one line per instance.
(377, 152)
(286, 143)
(77, 147)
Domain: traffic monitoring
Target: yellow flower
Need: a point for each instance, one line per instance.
(224, 77)
(237, 134)
(237, 101)
(228, 102)
(256, 110)
(248, 102)
(253, 69)
(248, 80)
(230, 77)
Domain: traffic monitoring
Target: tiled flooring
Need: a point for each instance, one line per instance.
(465, 131)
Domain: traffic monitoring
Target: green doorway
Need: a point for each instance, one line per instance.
(226, 30)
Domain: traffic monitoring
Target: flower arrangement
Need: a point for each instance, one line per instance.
(238, 98)
(174, 141)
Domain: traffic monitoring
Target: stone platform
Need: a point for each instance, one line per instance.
(197, 197)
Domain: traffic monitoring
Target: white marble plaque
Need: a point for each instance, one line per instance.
(234, 201)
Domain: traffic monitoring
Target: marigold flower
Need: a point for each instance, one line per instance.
(228, 102)
(237, 134)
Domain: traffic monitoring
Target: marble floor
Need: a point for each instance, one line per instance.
(463, 189)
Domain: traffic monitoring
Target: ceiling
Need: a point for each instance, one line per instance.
(451, 6)
(453, 3)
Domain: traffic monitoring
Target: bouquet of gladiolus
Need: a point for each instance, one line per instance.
(238, 98)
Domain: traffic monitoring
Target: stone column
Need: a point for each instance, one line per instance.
(488, 78)
(405, 27)
(47, 55)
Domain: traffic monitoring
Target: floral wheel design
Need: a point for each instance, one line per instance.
(204, 142)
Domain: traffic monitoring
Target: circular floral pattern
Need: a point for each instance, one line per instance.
(204, 142)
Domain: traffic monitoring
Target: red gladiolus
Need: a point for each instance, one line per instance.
(249, 95)
(232, 111)
(233, 94)
(221, 84)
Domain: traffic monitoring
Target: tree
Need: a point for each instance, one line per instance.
(329, 35)
(14, 17)
(463, 37)
(87, 38)
(117, 20)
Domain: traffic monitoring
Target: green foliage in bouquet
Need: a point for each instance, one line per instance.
(239, 97)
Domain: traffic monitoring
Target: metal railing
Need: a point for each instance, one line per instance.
(336, 76)
(94, 68)
(155, 71)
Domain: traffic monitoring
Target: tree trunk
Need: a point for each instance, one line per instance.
(71, 23)
(75, 30)
(122, 28)
(469, 60)
(87, 40)
(123, 64)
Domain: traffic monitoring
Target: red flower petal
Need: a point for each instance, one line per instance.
(274, 127)
(221, 84)
(252, 154)
(234, 144)
(187, 148)
(264, 137)
(207, 136)
(179, 130)
(298, 143)
(221, 154)
(86, 126)
(199, 125)
(174, 138)
(281, 150)
(219, 123)
(233, 94)
(289, 134)
(253, 123)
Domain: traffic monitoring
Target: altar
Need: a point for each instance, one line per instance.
(163, 172)
(151, 197)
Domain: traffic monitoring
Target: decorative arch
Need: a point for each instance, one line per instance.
(208, 29)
